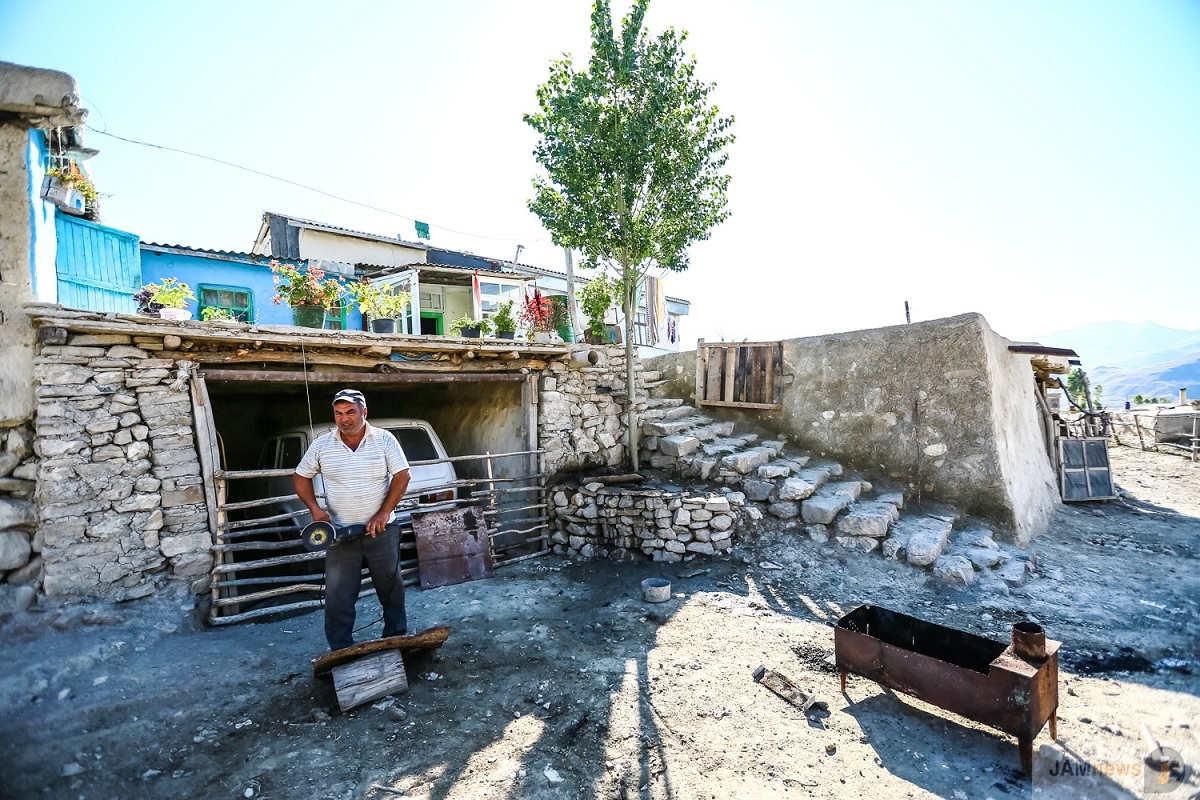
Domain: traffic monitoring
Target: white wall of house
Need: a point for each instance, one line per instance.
(339, 247)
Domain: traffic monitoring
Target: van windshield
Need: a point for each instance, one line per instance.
(415, 443)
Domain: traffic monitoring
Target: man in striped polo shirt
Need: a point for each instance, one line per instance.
(365, 475)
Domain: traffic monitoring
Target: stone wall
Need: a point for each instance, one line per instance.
(941, 405)
(609, 522)
(581, 404)
(119, 504)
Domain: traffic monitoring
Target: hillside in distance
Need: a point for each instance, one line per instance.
(1128, 359)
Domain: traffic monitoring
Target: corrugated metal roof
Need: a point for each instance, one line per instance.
(309, 223)
(202, 250)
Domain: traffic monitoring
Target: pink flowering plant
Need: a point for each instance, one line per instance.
(308, 288)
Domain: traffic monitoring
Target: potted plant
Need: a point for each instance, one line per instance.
(542, 316)
(69, 189)
(309, 294)
(597, 297)
(213, 314)
(382, 302)
(470, 327)
(505, 320)
(170, 298)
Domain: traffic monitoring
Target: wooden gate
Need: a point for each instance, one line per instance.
(739, 374)
(261, 568)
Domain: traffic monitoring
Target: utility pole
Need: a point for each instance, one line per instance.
(572, 315)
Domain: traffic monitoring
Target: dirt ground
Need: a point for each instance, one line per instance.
(559, 681)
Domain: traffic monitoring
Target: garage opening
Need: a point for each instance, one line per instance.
(476, 433)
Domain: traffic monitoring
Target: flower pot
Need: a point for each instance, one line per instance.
(176, 314)
(308, 316)
(506, 334)
(383, 326)
(470, 333)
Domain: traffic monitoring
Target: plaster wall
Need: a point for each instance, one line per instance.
(20, 213)
(337, 247)
(940, 405)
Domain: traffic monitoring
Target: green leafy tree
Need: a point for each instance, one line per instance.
(633, 155)
(1075, 390)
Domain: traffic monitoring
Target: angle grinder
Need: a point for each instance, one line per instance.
(317, 536)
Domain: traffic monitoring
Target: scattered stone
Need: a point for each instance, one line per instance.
(552, 776)
(895, 498)
(984, 558)
(784, 509)
(757, 490)
(778, 470)
(1013, 573)
(796, 489)
(868, 519)
(978, 538)
(396, 713)
(852, 489)
(864, 544)
(927, 537)
(71, 769)
(955, 569)
(818, 533)
(1113, 729)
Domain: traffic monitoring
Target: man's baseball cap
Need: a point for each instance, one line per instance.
(350, 396)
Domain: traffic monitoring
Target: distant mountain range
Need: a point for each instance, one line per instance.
(1126, 359)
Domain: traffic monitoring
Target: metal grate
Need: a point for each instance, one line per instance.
(1084, 472)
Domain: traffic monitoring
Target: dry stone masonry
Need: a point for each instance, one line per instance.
(120, 504)
(20, 546)
(609, 522)
(580, 408)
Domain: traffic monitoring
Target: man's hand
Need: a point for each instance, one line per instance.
(377, 523)
(304, 490)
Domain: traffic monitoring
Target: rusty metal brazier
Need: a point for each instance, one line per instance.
(1013, 687)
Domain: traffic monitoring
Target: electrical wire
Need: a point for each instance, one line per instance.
(308, 188)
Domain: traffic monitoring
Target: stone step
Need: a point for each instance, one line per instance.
(663, 402)
(651, 376)
(822, 509)
(744, 461)
(681, 412)
(868, 518)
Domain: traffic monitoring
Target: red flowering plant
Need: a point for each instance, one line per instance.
(308, 288)
(542, 314)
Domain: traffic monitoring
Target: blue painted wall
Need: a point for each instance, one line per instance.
(43, 242)
(228, 269)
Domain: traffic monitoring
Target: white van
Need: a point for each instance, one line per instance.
(430, 485)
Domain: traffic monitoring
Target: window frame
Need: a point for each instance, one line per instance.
(218, 287)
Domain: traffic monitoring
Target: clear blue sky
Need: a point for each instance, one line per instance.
(1037, 162)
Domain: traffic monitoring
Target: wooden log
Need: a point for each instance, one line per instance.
(370, 678)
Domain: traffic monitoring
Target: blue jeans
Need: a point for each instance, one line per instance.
(343, 577)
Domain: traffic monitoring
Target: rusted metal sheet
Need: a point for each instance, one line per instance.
(453, 546)
(978, 678)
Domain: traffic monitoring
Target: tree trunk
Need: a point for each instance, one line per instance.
(629, 302)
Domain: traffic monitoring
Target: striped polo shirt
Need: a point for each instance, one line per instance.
(356, 481)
